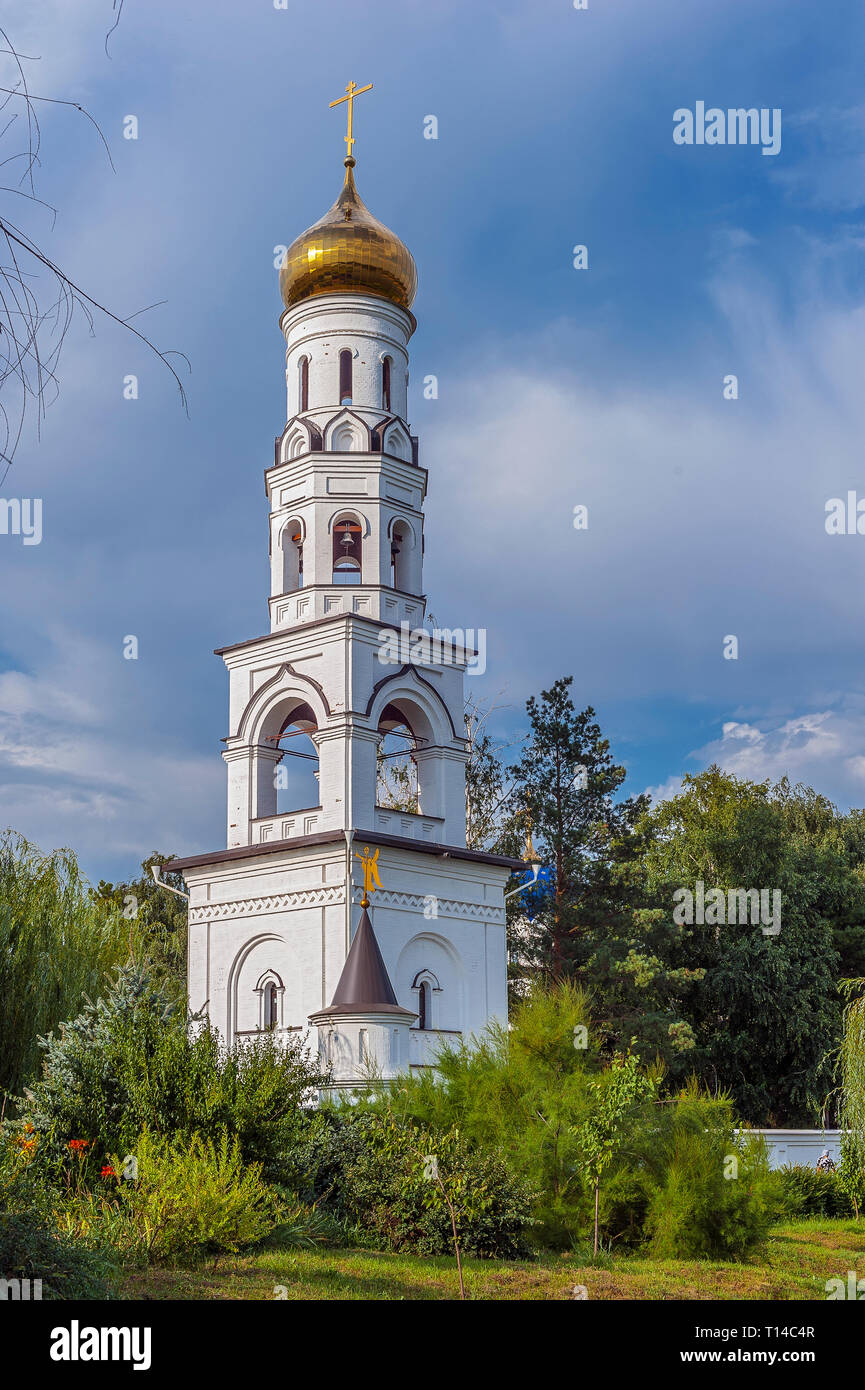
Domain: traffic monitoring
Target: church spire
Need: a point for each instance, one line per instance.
(364, 985)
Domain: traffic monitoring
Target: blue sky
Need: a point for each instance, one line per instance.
(557, 387)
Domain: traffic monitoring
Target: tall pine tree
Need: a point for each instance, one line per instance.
(564, 786)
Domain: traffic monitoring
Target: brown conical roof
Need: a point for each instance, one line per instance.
(364, 985)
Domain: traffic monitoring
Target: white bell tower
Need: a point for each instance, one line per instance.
(273, 917)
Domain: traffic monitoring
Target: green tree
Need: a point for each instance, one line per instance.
(57, 945)
(159, 916)
(711, 1194)
(765, 1016)
(837, 869)
(630, 958)
(852, 1107)
(612, 1098)
(564, 785)
(487, 780)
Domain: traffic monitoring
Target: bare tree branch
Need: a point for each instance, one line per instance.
(36, 309)
(118, 6)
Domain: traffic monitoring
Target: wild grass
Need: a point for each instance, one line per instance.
(795, 1263)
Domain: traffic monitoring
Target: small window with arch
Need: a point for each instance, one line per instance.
(303, 385)
(271, 1007)
(345, 397)
(423, 1002)
(385, 383)
(399, 560)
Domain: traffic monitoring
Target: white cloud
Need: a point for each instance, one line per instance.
(824, 749)
(665, 791)
(706, 517)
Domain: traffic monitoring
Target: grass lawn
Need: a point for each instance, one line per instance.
(795, 1264)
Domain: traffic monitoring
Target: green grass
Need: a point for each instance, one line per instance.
(795, 1263)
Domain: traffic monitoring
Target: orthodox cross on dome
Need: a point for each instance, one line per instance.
(371, 880)
(351, 92)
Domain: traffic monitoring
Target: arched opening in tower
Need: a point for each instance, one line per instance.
(347, 552)
(291, 542)
(400, 541)
(396, 787)
(296, 774)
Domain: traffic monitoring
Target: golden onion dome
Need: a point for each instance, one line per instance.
(348, 251)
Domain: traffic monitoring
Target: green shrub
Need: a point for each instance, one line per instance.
(807, 1192)
(21, 1185)
(713, 1195)
(851, 1173)
(191, 1198)
(29, 1249)
(624, 1203)
(300, 1226)
(522, 1092)
(527, 1093)
(372, 1172)
(128, 1063)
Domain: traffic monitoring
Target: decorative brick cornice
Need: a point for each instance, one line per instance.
(447, 907)
(275, 902)
(242, 908)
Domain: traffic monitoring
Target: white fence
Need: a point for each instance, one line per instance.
(800, 1146)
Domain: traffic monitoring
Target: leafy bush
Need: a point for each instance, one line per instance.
(29, 1249)
(195, 1197)
(529, 1092)
(807, 1192)
(191, 1198)
(851, 1173)
(523, 1092)
(21, 1186)
(128, 1063)
(373, 1173)
(713, 1195)
(625, 1198)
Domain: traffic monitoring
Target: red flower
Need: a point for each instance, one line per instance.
(77, 1146)
(108, 1172)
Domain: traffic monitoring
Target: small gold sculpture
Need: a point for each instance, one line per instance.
(371, 880)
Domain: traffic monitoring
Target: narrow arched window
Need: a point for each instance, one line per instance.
(271, 1006)
(399, 561)
(385, 384)
(423, 1005)
(292, 557)
(303, 385)
(345, 377)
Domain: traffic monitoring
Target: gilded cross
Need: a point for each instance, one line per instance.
(351, 92)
